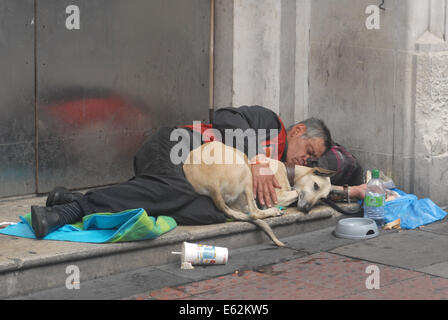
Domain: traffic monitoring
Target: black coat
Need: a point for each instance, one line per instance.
(159, 185)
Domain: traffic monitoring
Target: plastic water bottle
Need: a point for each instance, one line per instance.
(375, 199)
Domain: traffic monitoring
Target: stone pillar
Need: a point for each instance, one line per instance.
(301, 105)
(255, 55)
(431, 107)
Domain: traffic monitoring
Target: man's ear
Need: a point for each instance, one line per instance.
(298, 130)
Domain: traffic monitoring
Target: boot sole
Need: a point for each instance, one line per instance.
(55, 194)
(38, 222)
(61, 195)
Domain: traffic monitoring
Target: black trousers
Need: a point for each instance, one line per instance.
(159, 186)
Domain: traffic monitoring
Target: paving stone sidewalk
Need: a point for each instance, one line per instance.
(411, 264)
(319, 276)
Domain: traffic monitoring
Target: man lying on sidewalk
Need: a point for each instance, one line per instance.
(160, 187)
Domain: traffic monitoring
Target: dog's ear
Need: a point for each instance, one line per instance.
(323, 172)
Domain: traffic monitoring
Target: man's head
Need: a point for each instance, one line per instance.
(308, 138)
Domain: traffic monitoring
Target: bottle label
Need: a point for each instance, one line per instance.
(372, 201)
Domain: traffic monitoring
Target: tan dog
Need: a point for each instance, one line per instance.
(223, 173)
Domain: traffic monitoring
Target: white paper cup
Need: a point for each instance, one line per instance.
(203, 254)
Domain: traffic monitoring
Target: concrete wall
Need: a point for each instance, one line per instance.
(356, 82)
(383, 93)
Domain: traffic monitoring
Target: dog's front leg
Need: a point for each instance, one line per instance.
(254, 211)
(266, 213)
(286, 198)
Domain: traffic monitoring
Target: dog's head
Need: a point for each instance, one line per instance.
(312, 184)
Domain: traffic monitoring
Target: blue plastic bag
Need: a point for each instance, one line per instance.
(411, 211)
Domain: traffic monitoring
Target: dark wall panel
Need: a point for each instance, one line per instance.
(131, 67)
(17, 157)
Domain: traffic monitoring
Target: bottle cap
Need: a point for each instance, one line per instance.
(375, 173)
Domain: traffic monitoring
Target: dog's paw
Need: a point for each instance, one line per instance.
(282, 210)
(278, 212)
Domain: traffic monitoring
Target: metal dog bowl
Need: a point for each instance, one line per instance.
(356, 228)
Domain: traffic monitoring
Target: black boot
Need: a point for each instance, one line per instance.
(43, 219)
(61, 195)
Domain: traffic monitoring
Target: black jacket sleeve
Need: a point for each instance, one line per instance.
(255, 124)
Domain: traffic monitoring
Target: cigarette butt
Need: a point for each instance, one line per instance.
(393, 225)
(186, 266)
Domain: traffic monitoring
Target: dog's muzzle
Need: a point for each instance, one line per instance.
(302, 204)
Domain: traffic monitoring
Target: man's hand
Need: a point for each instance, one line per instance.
(358, 191)
(264, 184)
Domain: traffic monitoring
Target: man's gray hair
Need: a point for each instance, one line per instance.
(316, 128)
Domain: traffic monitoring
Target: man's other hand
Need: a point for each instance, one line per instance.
(264, 184)
(358, 191)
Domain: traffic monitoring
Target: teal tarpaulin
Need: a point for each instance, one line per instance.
(129, 225)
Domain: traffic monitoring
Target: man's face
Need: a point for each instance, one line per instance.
(300, 149)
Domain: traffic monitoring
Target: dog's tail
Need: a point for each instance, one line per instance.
(263, 225)
(220, 203)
